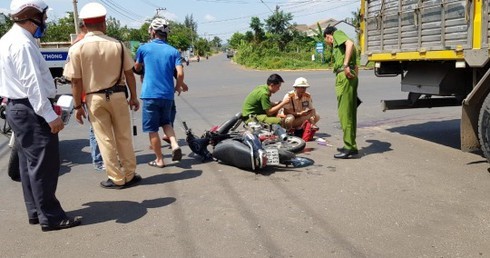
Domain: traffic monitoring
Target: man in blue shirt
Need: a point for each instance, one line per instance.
(159, 60)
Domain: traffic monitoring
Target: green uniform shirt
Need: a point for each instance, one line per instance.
(257, 102)
(339, 39)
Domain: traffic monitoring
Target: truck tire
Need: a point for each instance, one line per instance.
(13, 166)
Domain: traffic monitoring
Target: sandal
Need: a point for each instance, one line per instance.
(155, 164)
(176, 154)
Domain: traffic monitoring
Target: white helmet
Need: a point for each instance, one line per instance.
(18, 5)
(159, 24)
(91, 11)
(301, 82)
(28, 9)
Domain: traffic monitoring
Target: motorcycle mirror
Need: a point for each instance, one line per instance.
(299, 162)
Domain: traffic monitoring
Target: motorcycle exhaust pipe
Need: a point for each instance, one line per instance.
(280, 132)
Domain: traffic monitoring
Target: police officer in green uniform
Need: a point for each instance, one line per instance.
(346, 82)
(257, 104)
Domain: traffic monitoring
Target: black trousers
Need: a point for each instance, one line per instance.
(39, 162)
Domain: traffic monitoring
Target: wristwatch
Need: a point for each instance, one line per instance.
(345, 66)
(77, 107)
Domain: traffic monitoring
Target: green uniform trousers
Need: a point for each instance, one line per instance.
(265, 119)
(346, 92)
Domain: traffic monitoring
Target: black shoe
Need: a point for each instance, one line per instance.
(66, 223)
(136, 179)
(342, 149)
(34, 221)
(108, 184)
(345, 154)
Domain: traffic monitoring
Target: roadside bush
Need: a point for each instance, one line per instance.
(267, 55)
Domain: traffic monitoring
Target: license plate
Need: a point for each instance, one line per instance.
(272, 156)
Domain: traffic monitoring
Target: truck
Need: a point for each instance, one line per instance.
(440, 50)
(56, 55)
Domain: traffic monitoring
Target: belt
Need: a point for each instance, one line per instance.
(108, 92)
(26, 101)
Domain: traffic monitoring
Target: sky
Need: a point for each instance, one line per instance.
(219, 18)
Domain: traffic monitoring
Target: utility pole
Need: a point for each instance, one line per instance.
(75, 16)
(160, 9)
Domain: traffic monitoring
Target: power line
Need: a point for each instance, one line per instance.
(114, 8)
(124, 9)
(150, 4)
(267, 6)
(329, 9)
(289, 5)
(234, 19)
(224, 1)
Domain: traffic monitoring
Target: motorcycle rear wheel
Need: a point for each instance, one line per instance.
(292, 143)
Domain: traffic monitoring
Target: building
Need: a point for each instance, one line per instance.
(312, 29)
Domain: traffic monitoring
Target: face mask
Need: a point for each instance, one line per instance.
(41, 27)
(40, 31)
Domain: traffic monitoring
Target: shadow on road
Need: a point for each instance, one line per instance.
(119, 211)
(167, 178)
(442, 132)
(71, 154)
(375, 147)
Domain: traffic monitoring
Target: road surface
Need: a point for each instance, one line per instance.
(410, 193)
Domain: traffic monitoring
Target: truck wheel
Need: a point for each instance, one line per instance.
(13, 168)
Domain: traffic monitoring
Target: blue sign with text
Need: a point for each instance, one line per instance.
(55, 56)
(319, 47)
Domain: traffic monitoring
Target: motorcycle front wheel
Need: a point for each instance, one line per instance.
(13, 166)
(292, 143)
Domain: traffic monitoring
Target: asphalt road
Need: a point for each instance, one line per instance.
(410, 193)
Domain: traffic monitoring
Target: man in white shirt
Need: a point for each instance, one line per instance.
(26, 81)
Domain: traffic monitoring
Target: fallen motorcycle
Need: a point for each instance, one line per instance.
(256, 146)
(63, 106)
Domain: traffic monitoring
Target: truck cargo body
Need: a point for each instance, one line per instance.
(440, 49)
(56, 55)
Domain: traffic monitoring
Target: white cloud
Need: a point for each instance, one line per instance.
(170, 16)
(209, 17)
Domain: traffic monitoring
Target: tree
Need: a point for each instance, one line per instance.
(60, 30)
(114, 28)
(180, 36)
(279, 25)
(201, 47)
(140, 34)
(216, 42)
(236, 39)
(4, 27)
(249, 37)
(192, 25)
(257, 28)
(278, 22)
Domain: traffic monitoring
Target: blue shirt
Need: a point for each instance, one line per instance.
(159, 60)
